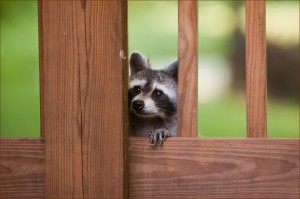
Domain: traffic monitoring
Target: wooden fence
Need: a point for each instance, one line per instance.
(84, 151)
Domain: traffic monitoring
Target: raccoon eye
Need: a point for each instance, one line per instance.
(158, 93)
(137, 89)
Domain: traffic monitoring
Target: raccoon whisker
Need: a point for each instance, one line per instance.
(164, 110)
(164, 119)
(163, 105)
(149, 109)
(161, 114)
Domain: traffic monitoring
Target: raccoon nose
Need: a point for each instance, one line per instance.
(138, 105)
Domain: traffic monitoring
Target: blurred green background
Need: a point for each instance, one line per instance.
(153, 30)
(20, 107)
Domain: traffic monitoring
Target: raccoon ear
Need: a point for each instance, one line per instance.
(137, 62)
(172, 69)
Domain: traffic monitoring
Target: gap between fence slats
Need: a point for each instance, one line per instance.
(188, 68)
(256, 77)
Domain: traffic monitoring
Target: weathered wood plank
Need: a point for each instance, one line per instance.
(256, 78)
(214, 168)
(63, 54)
(22, 168)
(188, 68)
(105, 111)
(183, 167)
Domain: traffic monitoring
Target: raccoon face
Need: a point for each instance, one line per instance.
(152, 93)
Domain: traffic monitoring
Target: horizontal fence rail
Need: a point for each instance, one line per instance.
(215, 168)
(183, 167)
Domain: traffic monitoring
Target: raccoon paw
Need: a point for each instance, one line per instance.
(158, 136)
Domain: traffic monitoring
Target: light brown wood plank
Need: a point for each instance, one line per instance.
(63, 54)
(214, 168)
(104, 111)
(256, 78)
(22, 168)
(188, 68)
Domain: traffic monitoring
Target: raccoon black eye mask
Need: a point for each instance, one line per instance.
(152, 100)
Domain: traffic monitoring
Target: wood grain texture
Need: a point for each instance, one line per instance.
(214, 168)
(63, 54)
(256, 78)
(22, 168)
(182, 168)
(104, 112)
(188, 68)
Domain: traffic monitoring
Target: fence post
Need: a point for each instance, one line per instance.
(84, 90)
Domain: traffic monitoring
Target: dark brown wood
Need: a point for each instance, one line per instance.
(104, 104)
(22, 168)
(214, 168)
(256, 78)
(188, 68)
(63, 54)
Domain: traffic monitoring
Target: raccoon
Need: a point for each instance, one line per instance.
(152, 100)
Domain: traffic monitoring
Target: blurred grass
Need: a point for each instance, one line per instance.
(19, 69)
(223, 118)
(226, 117)
(152, 30)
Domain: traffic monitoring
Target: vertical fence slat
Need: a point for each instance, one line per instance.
(188, 67)
(256, 82)
(104, 111)
(62, 51)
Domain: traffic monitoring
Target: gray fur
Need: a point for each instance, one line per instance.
(137, 63)
(162, 124)
(172, 69)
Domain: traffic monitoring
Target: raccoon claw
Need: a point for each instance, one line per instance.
(157, 137)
